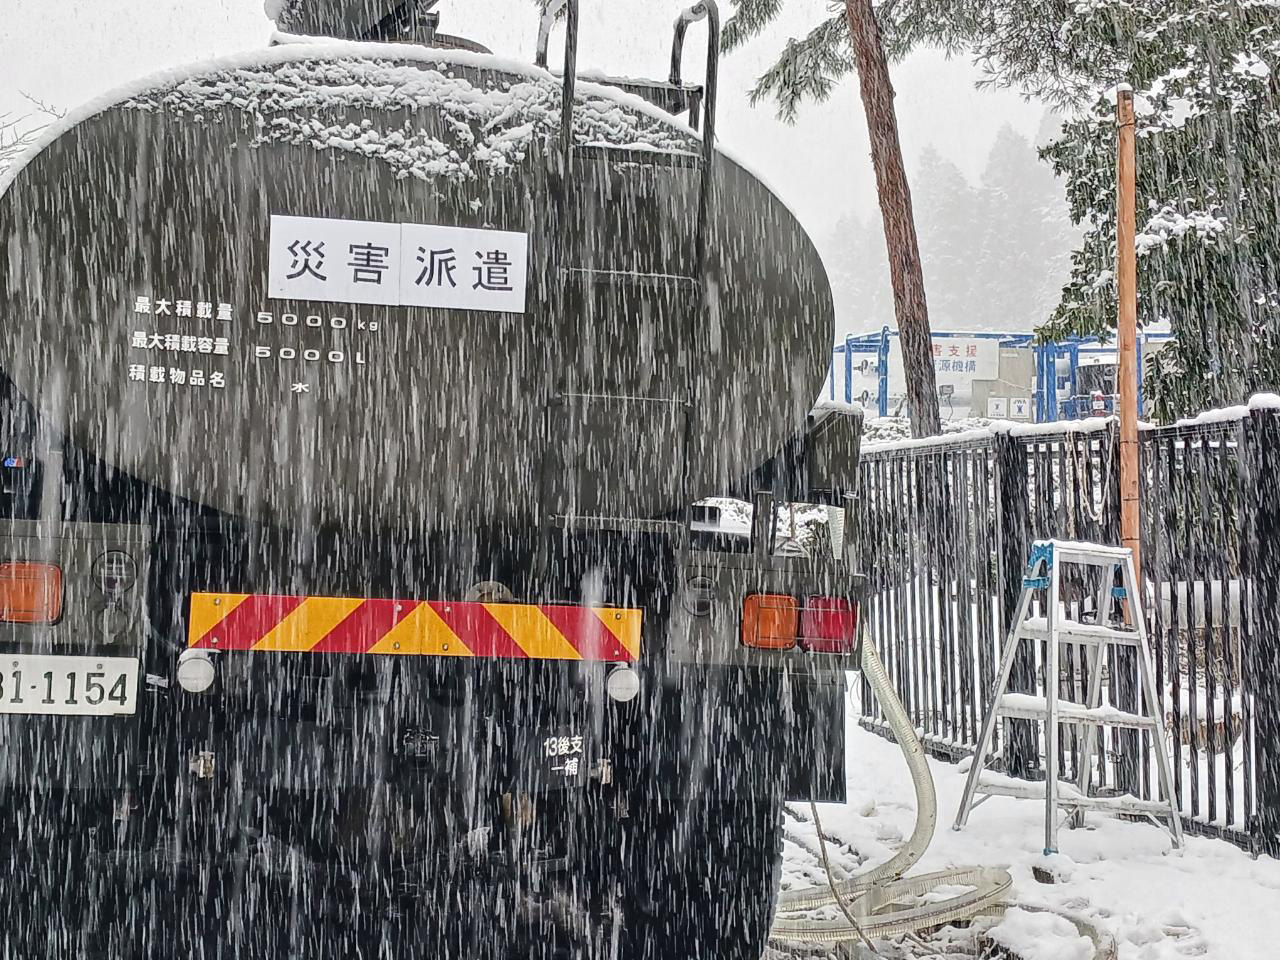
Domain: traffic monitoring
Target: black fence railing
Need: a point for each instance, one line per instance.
(946, 530)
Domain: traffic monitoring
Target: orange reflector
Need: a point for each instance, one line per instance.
(30, 592)
(769, 621)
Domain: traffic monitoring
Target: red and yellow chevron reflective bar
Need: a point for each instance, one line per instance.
(510, 631)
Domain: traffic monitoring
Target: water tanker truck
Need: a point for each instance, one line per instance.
(361, 398)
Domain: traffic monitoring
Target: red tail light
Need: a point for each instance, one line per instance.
(829, 625)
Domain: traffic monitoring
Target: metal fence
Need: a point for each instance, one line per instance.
(946, 531)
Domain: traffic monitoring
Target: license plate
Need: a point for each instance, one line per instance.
(93, 686)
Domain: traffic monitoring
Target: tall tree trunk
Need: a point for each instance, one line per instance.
(899, 223)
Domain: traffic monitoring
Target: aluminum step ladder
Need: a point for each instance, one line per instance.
(1126, 628)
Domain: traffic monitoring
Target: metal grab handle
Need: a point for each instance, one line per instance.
(545, 26)
(570, 88)
(570, 67)
(702, 10)
(707, 10)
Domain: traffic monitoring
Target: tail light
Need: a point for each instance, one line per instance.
(30, 592)
(769, 621)
(829, 625)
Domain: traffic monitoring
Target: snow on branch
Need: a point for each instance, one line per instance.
(19, 133)
(1168, 224)
(807, 69)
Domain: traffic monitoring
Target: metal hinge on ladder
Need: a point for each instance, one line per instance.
(1044, 574)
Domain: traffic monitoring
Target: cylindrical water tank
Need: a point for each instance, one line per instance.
(307, 283)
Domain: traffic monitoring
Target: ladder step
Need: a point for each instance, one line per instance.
(1076, 551)
(998, 785)
(680, 159)
(1026, 707)
(628, 278)
(1072, 631)
(672, 97)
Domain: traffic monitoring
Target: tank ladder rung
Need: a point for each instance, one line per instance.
(630, 278)
(621, 153)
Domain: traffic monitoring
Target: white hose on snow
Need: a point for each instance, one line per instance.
(875, 896)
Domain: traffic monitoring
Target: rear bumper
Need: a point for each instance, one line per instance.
(319, 694)
(305, 722)
(73, 753)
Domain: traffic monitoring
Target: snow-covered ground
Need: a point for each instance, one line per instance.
(1210, 900)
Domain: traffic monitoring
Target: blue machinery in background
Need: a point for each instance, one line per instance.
(1056, 391)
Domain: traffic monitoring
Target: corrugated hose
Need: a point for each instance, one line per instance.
(879, 902)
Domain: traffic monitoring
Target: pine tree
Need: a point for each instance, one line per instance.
(1025, 235)
(1208, 93)
(862, 47)
(905, 271)
(948, 213)
(1207, 77)
(970, 236)
(858, 268)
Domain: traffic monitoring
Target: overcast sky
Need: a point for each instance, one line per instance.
(67, 51)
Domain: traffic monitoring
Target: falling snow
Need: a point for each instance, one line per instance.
(419, 540)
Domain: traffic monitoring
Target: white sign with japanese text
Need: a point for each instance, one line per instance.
(961, 360)
(958, 361)
(343, 261)
(395, 264)
(464, 269)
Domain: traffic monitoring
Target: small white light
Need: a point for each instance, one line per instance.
(622, 684)
(195, 671)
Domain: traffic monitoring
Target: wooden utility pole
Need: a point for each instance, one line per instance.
(909, 303)
(1127, 324)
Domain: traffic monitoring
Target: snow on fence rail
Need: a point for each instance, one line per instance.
(946, 528)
